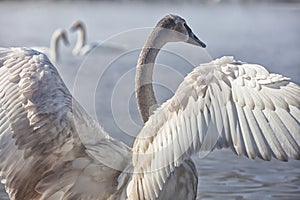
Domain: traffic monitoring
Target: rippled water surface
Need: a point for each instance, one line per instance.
(267, 34)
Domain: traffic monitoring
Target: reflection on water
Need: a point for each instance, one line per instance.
(265, 34)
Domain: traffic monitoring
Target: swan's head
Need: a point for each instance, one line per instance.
(61, 34)
(77, 25)
(178, 30)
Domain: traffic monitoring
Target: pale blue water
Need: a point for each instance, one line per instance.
(267, 34)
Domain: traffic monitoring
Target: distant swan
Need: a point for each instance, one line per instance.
(82, 48)
(50, 148)
(52, 52)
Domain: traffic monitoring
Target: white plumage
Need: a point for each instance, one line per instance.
(236, 105)
(50, 148)
(45, 135)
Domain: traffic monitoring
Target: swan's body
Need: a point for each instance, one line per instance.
(83, 48)
(51, 149)
(52, 51)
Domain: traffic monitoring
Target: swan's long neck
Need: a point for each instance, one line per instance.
(54, 47)
(144, 70)
(81, 38)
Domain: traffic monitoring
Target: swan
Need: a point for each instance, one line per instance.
(221, 104)
(50, 148)
(185, 173)
(81, 48)
(52, 51)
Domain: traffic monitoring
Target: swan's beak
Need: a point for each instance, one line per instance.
(193, 39)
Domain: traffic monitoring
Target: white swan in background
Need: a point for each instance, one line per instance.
(52, 51)
(51, 149)
(83, 48)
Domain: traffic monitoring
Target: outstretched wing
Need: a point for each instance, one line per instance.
(49, 146)
(220, 104)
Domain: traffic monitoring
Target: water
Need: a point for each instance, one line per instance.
(267, 34)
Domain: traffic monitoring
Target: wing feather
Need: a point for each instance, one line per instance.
(50, 148)
(194, 131)
(226, 127)
(245, 133)
(290, 123)
(259, 141)
(202, 127)
(221, 104)
(269, 135)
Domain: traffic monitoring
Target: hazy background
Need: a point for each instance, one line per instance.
(263, 32)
